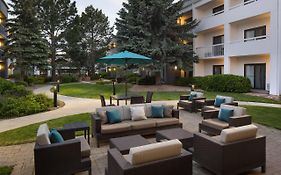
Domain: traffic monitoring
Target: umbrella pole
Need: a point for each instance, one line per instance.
(126, 83)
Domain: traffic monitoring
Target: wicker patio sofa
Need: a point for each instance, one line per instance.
(191, 105)
(69, 157)
(164, 158)
(104, 131)
(212, 125)
(235, 151)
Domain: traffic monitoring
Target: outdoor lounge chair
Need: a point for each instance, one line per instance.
(103, 103)
(164, 158)
(211, 105)
(191, 105)
(212, 125)
(69, 157)
(235, 151)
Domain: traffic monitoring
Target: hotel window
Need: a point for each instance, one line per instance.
(248, 1)
(218, 69)
(255, 33)
(218, 10)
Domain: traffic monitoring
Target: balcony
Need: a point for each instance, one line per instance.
(213, 51)
(250, 46)
(242, 4)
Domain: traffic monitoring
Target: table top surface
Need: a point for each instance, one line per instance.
(76, 125)
(127, 142)
(175, 133)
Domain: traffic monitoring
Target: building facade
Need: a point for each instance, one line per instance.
(3, 37)
(240, 37)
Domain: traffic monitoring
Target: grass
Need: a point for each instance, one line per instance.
(6, 170)
(84, 90)
(266, 116)
(27, 134)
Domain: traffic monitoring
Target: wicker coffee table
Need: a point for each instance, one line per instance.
(123, 144)
(185, 137)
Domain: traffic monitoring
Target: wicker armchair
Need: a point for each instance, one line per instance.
(194, 105)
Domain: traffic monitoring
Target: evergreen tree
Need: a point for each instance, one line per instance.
(55, 17)
(97, 34)
(151, 26)
(25, 45)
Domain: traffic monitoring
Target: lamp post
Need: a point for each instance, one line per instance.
(55, 97)
(113, 87)
(192, 87)
(58, 85)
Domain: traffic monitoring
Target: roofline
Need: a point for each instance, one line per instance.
(5, 4)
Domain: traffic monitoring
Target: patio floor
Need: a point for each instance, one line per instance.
(22, 155)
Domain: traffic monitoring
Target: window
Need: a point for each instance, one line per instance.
(218, 39)
(248, 1)
(218, 47)
(218, 10)
(256, 74)
(218, 69)
(255, 33)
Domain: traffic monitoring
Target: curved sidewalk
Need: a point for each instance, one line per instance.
(74, 105)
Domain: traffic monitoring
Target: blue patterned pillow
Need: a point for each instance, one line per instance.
(192, 96)
(219, 101)
(55, 136)
(113, 116)
(157, 111)
(225, 114)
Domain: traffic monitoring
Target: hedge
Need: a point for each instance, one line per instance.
(223, 83)
(147, 81)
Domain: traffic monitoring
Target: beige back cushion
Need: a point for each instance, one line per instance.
(109, 108)
(237, 110)
(43, 135)
(127, 111)
(137, 113)
(155, 151)
(238, 133)
(227, 99)
(198, 94)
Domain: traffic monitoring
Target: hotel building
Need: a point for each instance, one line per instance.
(3, 37)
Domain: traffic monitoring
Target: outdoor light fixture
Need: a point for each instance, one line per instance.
(192, 87)
(58, 85)
(109, 69)
(114, 69)
(176, 67)
(1, 67)
(55, 97)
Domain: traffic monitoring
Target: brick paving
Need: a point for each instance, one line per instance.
(21, 156)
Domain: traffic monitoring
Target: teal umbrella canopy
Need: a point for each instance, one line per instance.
(125, 57)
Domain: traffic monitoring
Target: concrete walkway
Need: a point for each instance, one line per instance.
(74, 105)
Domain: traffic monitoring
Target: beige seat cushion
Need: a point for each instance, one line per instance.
(237, 110)
(113, 128)
(215, 123)
(43, 135)
(238, 133)
(153, 152)
(85, 148)
(142, 124)
(166, 121)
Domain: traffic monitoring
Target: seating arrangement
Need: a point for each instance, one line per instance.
(67, 156)
(213, 124)
(192, 102)
(134, 119)
(163, 158)
(234, 151)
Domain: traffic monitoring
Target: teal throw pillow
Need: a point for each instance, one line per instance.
(113, 116)
(219, 101)
(157, 111)
(192, 96)
(55, 136)
(225, 114)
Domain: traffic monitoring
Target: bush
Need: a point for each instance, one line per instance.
(69, 78)
(35, 80)
(23, 83)
(133, 78)
(103, 82)
(183, 82)
(223, 83)
(8, 88)
(147, 81)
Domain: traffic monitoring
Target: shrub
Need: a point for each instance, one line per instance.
(69, 78)
(223, 83)
(103, 82)
(35, 80)
(133, 78)
(183, 82)
(147, 81)
(11, 89)
(23, 83)
(105, 75)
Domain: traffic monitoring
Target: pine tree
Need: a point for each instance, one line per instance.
(25, 45)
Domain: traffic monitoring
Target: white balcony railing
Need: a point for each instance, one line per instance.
(242, 4)
(210, 51)
(212, 15)
(251, 39)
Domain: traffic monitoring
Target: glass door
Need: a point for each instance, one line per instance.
(256, 74)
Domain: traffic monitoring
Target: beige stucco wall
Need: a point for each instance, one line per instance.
(205, 67)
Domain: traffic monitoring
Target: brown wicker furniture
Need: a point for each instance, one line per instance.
(185, 137)
(212, 125)
(69, 157)
(79, 126)
(148, 98)
(192, 106)
(229, 158)
(178, 164)
(210, 104)
(137, 99)
(103, 103)
(128, 127)
(123, 144)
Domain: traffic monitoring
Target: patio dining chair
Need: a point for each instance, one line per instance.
(149, 95)
(137, 99)
(103, 103)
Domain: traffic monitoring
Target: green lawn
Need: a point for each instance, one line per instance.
(93, 91)
(28, 133)
(6, 170)
(265, 116)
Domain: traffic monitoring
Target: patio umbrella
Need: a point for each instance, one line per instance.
(125, 58)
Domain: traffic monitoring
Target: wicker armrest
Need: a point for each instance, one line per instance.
(176, 113)
(198, 98)
(96, 123)
(240, 120)
(209, 102)
(232, 104)
(67, 134)
(211, 114)
(184, 97)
